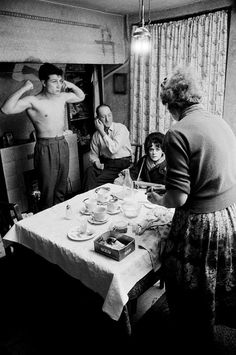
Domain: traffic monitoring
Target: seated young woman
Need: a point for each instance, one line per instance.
(151, 168)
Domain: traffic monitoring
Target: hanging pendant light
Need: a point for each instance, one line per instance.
(141, 43)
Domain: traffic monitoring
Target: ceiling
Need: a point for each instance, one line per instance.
(124, 7)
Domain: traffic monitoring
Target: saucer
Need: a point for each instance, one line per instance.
(114, 212)
(107, 188)
(119, 195)
(93, 221)
(74, 234)
(84, 211)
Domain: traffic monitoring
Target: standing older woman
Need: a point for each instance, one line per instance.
(200, 256)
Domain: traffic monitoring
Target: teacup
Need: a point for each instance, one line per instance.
(103, 195)
(99, 213)
(90, 204)
(112, 205)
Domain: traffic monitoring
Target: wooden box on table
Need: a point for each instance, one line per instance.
(101, 246)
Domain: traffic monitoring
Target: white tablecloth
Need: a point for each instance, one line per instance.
(46, 234)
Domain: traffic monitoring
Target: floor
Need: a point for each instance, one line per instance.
(46, 312)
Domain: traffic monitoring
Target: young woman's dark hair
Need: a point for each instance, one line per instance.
(156, 138)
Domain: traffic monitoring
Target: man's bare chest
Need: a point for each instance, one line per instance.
(47, 110)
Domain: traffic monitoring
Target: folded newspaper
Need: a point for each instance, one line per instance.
(154, 242)
(159, 216)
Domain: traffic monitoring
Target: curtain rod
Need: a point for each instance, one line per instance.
(183, 17)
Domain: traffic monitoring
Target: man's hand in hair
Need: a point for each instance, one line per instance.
(100, 127)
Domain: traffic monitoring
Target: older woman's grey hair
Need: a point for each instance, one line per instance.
(182, 89)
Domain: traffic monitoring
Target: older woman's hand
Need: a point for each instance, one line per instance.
(153, 197)
(171, 199)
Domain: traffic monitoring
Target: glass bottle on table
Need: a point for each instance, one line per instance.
(128, 185)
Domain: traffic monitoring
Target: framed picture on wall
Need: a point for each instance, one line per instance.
(120, 83)
(78, 111)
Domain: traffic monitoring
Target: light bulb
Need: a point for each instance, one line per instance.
(141, 46)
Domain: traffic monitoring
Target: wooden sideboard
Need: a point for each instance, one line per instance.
(19, 159)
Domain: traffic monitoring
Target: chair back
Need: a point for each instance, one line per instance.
(137, 150)
(10, 266)
(9, 214)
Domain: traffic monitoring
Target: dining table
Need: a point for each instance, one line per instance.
(47, 233)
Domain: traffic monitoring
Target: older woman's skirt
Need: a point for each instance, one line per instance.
(200, 272)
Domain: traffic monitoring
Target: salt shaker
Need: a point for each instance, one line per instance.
(69, 212)
(83, 225)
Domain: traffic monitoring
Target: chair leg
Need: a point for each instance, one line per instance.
(161, 285)
(133, 305)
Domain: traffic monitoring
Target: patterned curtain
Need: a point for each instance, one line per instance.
(200, 41)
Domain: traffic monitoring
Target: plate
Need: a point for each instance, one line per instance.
(150, 205)
(92, 221)
(114, 212)
(144, 184)
(74, 234)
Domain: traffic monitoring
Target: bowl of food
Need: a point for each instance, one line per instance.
(131, 209)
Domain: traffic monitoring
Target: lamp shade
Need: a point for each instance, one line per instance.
(141, 38)
(141, 41)
(141, 32)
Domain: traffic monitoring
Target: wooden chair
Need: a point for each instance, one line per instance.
(143, 285)
(137, 152)
(9, 214)
(10, 281)
(129, 310)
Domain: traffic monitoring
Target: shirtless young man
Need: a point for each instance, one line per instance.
(46, 112)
